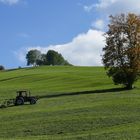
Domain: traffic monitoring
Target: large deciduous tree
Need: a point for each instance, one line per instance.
(121, 55)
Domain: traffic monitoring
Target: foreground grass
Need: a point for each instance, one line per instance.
(105, 115)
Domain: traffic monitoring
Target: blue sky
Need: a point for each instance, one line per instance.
(74, 28)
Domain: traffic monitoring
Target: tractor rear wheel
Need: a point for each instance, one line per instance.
(19, 101)
(33, 101)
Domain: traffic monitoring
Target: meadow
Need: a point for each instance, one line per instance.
(76, 103)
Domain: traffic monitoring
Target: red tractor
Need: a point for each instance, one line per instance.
(24, 96)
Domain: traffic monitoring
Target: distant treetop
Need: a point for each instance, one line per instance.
(35, 57)
(2, 67)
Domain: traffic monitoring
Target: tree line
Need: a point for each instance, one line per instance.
(36, 58)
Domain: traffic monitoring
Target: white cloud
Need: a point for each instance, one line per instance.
(89, 8)
(104, 8)
(21, 54)
(107, 7)
(98, 24)
(105, 3)
(10, 2)
(83, 50)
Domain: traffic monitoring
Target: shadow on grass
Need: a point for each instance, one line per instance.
(83, 92)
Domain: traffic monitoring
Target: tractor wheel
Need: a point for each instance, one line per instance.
(33, 101)
(19, 101)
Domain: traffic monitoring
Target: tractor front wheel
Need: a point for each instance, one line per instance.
(32, 101)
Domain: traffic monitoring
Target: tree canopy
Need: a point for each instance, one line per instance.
(55, 58)
(121, 55)
(2, 67)
(34, 57)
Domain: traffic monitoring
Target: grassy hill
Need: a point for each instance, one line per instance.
(77, 103)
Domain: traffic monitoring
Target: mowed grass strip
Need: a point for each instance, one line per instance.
(105, 115)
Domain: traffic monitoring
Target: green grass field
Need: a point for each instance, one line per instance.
(78, 103)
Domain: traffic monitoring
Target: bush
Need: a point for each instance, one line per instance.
(2, 67)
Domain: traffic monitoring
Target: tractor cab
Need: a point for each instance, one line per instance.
(23, 93)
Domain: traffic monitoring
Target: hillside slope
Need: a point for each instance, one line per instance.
(97, 109)
(53, 80)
